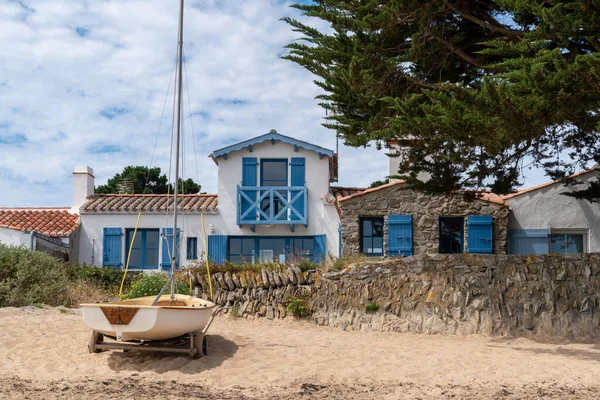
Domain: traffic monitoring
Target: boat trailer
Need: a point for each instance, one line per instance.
(194, 344)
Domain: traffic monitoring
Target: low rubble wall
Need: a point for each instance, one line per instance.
(547, 295)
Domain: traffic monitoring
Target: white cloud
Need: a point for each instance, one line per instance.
(66, 67)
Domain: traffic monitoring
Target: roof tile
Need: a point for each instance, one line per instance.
(53, 223)
(149, 203)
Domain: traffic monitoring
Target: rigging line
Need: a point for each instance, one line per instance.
(171, 151)
(187, 87)
(159, 126)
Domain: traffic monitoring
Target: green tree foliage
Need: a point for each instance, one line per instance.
(147, 181)
(380, 183)
(468, 90)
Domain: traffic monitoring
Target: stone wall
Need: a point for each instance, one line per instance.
(555, 296)
(425, 209)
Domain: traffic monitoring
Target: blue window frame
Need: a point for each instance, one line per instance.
(274, 172)
(371, 236)
(144, 253)
(451, 235)
(192, 248)
(269, 248)
(564, 243)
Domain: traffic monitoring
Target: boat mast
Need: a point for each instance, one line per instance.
(174, 251)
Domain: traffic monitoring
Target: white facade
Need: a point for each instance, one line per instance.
(323, 218)
(13, 237)
(548, 209)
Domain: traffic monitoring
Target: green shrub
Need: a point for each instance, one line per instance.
(298, 307)
(372, 306)
(151, 284)
(306, 265)
(28, 277)
(108, 279)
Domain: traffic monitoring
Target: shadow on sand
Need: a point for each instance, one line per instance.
(219, 350)
(556, 346)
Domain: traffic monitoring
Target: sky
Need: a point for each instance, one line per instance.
(85, 83)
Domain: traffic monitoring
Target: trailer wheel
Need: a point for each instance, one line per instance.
(97, 338)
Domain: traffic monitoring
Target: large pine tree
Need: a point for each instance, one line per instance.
(471, 89)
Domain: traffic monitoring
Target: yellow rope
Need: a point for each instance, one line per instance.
(129, 254)
(206, 256)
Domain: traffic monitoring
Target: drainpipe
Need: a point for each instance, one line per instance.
(32, 240)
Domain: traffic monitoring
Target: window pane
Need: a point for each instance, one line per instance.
(248, 246)
(137, 243)
(235, 246)
(451, 235)
(367, 245)
(378, 227)
(557, 243)
(151, 258)
(152, 238)
(235, 259)
(308, 246)
(192, 248)
(378, 245)
(367, 227)
(136, 258)
(274, 173)
(574, 243)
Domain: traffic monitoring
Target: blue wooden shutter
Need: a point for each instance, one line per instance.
(111, 247)
(298, 179)
(400, 235)
(217, 248)
(249, 178)
(320, 248)
(479, 231)
(167, 247)
(528, 241)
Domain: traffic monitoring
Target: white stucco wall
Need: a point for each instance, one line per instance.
(322, 219)
(546, 208)
(12, 237)
(92, 224)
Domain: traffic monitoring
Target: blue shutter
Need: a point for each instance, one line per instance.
(528, 241)
(111, 247)
(479, 231)
(320, 248)
(167, 247)
(217, 248)
(249, 178)
(400, 235)
(298, 179)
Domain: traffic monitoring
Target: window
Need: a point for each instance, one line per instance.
(371, 234)
(192, 248)
(274, 173)
(144, 252)
(266, 249)
(241, 250)
(451, 235)
(562, 243)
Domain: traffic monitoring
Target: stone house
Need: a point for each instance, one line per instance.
(392, 220)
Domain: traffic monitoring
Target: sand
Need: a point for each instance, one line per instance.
(43, 355)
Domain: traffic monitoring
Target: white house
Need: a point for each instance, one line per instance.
(50, 229)
(543, 220)
(274, 202)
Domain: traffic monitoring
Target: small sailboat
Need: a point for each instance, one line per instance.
(145, 323)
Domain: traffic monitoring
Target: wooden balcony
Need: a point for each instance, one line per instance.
(272, 205)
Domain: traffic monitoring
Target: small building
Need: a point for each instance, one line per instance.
(544, 220)
(51, 230)
(391, 220)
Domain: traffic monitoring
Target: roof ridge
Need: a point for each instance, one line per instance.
(149, 195)
(543, 185)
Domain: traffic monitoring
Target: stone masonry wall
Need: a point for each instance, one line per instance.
(556, 296)
(426, 210)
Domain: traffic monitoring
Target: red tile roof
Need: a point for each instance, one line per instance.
(340, 191)
(149, 203)
(48, 222)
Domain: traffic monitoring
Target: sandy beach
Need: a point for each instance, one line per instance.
(43, 355)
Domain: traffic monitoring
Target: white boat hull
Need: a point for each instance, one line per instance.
(160, 322)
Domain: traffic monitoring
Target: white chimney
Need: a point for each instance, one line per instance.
(395, 164)
(83, 187)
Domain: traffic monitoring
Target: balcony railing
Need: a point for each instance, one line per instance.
(278, 205)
